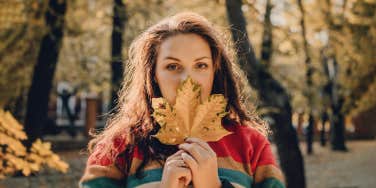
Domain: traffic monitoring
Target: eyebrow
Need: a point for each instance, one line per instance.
(176, 59)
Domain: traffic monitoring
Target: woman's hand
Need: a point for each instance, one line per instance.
(176, 174)
(202, 161)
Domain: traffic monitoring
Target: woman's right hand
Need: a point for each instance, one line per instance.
(176, 173)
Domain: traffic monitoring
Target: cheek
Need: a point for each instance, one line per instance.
(206, 83)
(208, 86)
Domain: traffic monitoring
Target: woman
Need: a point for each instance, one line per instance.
(126, 155)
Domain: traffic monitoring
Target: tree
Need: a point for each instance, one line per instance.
(119, 19)
(20, 32)
(309, 81)
(272, 95)
(326, 92)
(351, 32)
(38, 96)
(267, 36)
(337, 129)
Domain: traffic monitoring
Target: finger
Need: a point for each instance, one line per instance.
(181, 182)
(200, 142)
(190, 161)
(185, 175)
(181, 171)
(177, 163)
(188, 178)
(175, 155)
(196, 151)
(178, 153)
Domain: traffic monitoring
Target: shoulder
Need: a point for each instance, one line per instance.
(106, 161)
(106, 150)
(255, 143)
(242, 144)
(248, 134)
(263, 162)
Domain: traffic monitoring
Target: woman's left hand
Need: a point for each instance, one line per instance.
(202, 161)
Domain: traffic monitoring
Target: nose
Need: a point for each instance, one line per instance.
(184, 76)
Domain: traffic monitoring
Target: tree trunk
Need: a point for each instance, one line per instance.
(16, 106)
(337, 125)
(267, 42)
(326, 93)
(272, 95)
(44, 70)
(338, 132)
(119, 18)
(324, 119)
(309, 82)
(337, 129)
(309, 134)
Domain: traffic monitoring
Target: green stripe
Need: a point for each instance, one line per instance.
(235, 177)
(270, 183)
(156, 175)
(102, 182)
(150, 176)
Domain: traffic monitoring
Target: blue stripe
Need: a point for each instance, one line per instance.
(102, 182)
(155, 175)
(149, 176)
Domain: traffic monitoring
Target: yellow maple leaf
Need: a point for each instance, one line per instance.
(189, 117)
(14, 155)
(54, 161)
(43, 149)
(11, 125)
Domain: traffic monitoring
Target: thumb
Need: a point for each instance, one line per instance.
(188, 179)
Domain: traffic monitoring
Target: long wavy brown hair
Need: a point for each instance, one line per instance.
(131, 123)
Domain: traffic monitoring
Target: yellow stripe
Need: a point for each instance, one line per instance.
(237, 185)
(229, 163)
(137, 162)
(150, 185)
(268, 171)
(96, 171)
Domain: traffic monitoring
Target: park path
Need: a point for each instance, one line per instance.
(353, 169)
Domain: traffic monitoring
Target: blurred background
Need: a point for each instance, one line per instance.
(310, 63)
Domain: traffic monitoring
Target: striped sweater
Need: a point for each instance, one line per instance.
(244, 159)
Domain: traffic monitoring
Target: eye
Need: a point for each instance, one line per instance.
(172, 67)
(202, 65)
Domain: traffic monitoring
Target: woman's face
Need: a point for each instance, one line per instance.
(180, 56)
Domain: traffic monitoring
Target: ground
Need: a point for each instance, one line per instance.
(353, 169)
(324, 169)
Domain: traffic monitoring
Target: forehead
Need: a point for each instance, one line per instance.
(184, 46)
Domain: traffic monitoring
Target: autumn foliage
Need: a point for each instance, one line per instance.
(15, 157)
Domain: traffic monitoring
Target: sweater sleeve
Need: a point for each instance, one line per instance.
(98, 175)
(260, 153)
(266, 156)
(267, 173)
(104, 170)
